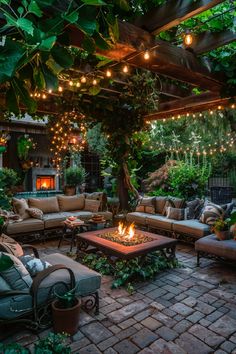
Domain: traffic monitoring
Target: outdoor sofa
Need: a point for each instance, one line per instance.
(163, 214)
(41, 215)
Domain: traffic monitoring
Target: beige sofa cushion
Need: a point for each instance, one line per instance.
(53, 220)
(137, 217)
(92, 205)
(80, 214)
(160, 204)
(98, 196)
(25, 226)
(20, 207)
(68, 203)
(47, 205)
(146, 205)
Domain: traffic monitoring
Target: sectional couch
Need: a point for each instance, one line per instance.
(40, 215)
(151, 214)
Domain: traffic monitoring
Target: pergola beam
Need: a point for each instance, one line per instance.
(166, 59)
(196, 103)
(207, 41)
(172, 13)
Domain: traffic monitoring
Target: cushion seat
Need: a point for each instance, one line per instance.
(24, 226)
(192, 227)
(52, 220)
(210, 244)
(137, 217)
(106, 214)
(88, 281)
(81, 214)
(159, 222)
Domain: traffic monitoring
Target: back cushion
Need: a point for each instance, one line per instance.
(92, 205)
(146, 205)
(67, 203)
(17, 277)
(98, 196)
(47, 205)
(174, 203)
(20, 207)
(211, 212)
(160, 203)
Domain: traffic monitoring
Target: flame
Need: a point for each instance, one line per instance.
(122, 230)
(44, 185)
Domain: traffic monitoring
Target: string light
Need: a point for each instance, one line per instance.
(108, 73)
(125, 69)
(78, 84)
(44, 96)
(95, 82)
(50, 91)
(188, 39)
(146, 55)
(71, 83)
(83, 79)
(60, 88)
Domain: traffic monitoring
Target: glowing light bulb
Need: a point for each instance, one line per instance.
(108, 73)
(60, 89)
(71, 83)
(83, 79)
(78, 84)
(146, 55)
(125, 69)
(233, 106)
(44, 96)
(50, 91)
(95, 82)
(188, 39)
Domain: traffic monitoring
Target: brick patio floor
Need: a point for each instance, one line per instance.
(186, 310)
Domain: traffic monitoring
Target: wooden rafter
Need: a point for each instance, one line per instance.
(172, 13)
(196, 103)
(166, 59)
(207, 41)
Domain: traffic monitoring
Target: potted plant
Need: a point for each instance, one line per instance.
(222, 228)
(74, 177)
(65, 312)
(53, 343)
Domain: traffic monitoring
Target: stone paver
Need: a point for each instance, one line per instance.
(189, 310)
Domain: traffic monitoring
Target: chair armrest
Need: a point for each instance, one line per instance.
(44, 274)
(32, 248)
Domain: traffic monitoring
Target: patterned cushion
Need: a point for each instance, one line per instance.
(8, 245)
(195, 208)
(146, 205)
(17, 277)
(174, 203)
(35, 213)
(176, 213)
(20, 207)
(211, 212)
(34, 265)
(92, 205)
(228, 208)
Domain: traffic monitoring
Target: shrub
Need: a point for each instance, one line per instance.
(8, 178)
(75, 176)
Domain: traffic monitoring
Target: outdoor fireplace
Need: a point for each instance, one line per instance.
(45, 183)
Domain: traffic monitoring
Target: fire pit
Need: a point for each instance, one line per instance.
(111, 243)
(126, 236)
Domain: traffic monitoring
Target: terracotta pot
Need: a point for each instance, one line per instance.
(223, 235)
(69, 190)
(65, 320)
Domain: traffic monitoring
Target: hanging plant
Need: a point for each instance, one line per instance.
(24, 145)
(4, 137)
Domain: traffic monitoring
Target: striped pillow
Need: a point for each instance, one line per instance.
(211, 212)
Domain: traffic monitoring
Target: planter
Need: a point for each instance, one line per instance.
(222, 235)
(69, 190)
(65, 320)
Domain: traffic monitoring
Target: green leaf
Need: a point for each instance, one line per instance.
(54, 66)
(12, 101)
(94, 2)
(5, 2)
(94, 90)
(20, 10)
(123, 4)
(13, 52)
(88, 44)
(87, 26)
(50, 78)
(62, 57)
(103, 63)
(23, 92)
(25, 25)
(34, 9)
(39, 79)
(5, 262)
(48, 43)
(72, 17)
(101, 42)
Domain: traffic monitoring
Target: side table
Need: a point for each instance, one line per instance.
(72, 227)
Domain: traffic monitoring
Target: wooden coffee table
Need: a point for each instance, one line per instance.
(159, 243)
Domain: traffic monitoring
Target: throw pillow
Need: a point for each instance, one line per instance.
(34, 265)
(92, 205)
(176, 213)
(160, 204)
(101, 196)
(70, 203)
(195, 208)
(210, 213)
(146, 205)
(8, 245)
(17, 276)
(228, 208)
(174, 203)
(35, 213)
(20, 207)
(47, 205)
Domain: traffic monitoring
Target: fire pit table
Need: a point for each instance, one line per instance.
(101, 240)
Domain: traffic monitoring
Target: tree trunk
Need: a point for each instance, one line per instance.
(124, 186)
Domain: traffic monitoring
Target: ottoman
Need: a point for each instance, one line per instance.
(210, 245)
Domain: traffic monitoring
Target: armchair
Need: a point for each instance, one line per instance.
(30, 303)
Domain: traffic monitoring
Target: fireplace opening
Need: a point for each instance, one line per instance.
(45, 183)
